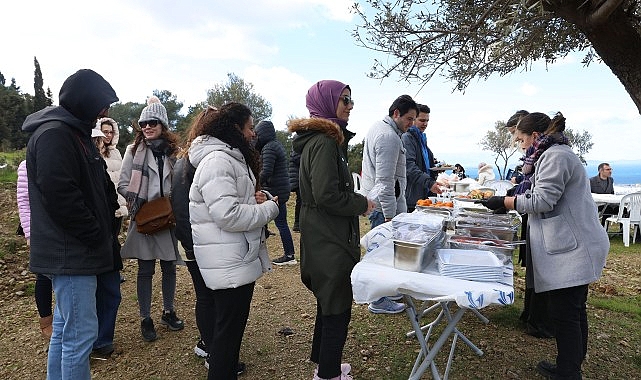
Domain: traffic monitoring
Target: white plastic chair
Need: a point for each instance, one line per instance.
(631, 202)
(500, 186)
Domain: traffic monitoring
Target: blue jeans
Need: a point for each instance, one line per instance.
(107, 303)
(75, 327)
(283, 230)
(376, 218)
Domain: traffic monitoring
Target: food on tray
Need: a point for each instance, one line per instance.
(480, 194)
(429, 203)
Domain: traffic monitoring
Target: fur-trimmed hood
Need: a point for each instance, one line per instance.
(116, 136)
(305, 128)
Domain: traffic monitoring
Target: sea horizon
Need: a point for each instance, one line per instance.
(626, 173)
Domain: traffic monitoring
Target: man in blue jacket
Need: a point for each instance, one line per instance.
(72, 204)
(421, 181)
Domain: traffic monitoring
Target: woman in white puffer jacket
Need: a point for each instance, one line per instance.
(109, 152)
(227, 214)
(486, 174)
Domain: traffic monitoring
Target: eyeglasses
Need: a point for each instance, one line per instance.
(108, 132)
(151, 123)
(347, 100)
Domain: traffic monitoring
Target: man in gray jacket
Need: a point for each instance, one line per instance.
(384, 171)
(384, 160)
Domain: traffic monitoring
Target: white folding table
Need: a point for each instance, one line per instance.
(375, 277)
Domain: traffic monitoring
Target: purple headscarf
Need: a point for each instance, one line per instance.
(322, 100)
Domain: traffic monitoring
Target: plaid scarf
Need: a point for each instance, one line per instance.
(540, 145)
(139, 183)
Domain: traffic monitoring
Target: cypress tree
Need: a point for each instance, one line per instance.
(39, 99)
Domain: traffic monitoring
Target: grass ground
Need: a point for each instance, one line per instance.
(377, 346)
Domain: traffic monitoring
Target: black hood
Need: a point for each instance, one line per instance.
(82, 96)
(85, 94)
(265, 132)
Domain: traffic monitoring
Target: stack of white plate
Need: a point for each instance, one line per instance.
(469, 264)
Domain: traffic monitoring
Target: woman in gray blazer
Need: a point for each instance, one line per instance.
(568, 244)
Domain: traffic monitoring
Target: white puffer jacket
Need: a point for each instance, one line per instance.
(486, 174)
(227, 224)
(114, 162)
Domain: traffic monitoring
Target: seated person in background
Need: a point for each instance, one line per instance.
(459, 170)
(486, 173)
(603, 183)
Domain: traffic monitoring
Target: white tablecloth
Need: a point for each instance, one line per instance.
(613, 199)
(375, 277)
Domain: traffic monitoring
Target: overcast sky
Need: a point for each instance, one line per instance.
(283, 47)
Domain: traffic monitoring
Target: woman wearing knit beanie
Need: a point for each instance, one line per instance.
(146, 175)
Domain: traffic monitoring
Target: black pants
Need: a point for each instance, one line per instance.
(204, 303)
(330, 334)
(229, 321)
(299, 202)
(43, 295)
(568, 312)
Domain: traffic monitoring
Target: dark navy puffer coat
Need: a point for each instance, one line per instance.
(294, 166)
(274, 176)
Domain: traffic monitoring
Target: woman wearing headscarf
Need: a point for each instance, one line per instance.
(328, 221)
(146, 175)
(568, 245)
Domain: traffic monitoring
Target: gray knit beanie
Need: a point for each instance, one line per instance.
(154, 111)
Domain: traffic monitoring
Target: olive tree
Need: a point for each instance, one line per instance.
(581, 143)
(237, 90)
(500, 142)
(463, 39)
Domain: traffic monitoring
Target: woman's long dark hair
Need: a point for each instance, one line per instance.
(225, 124)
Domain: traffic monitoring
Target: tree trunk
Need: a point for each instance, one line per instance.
(616, 41)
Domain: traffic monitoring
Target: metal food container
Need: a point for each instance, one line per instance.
(497, 233)
(416, 256)
(501, 248)
(461, 187)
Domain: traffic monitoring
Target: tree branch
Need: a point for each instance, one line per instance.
(603, 12)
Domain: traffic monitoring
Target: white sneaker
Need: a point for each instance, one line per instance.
(346, 368)
(200, 349)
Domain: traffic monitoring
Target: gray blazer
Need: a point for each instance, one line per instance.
(568, 244)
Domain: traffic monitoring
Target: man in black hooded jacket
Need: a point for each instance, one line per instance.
(72, 204)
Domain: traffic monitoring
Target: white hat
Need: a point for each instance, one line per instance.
(97, 133)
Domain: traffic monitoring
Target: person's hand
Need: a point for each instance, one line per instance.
(260, 197)
(443, 182)
(275, 199)
(370, 207)
(494, 203)
(436, 188)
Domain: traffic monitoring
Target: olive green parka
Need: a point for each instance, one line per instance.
(330, 236)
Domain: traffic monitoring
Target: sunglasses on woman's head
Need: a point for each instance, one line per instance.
(347, 100)
(151, 123)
